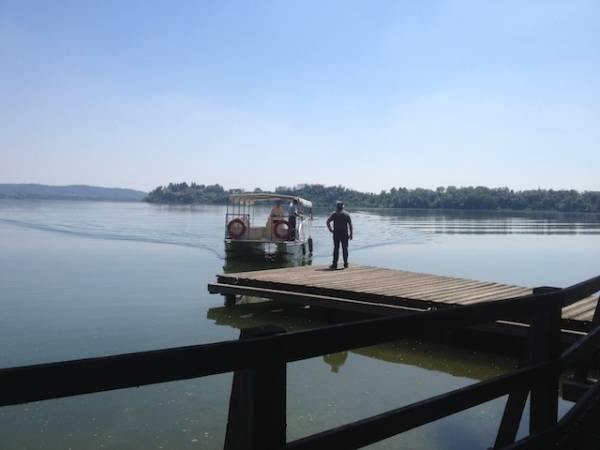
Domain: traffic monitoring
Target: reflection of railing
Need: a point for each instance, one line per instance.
(258, 416)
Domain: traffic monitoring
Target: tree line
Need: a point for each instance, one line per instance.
(186, 194)
(451, 197)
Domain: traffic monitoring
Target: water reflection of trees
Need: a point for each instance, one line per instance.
(441, 358)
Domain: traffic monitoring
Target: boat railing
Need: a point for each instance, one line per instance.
(275, 228)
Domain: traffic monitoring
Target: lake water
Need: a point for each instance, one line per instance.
(83, 279)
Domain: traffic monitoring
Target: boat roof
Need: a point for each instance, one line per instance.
(251, 198)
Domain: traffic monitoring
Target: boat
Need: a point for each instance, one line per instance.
(265, 226)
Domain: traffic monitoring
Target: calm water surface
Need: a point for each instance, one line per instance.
(82, 279)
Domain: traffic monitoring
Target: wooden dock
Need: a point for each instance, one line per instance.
(382, 291)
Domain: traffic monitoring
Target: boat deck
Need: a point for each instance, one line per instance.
(380, 290)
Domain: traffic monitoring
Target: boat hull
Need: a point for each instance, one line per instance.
(285, 250)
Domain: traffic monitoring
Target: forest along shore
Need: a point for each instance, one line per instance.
(468, 198)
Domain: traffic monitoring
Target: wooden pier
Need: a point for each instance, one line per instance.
(381, 291)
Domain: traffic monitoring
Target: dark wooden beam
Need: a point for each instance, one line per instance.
(63, 379)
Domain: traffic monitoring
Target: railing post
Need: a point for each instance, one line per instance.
(257, 406)
(544, 345)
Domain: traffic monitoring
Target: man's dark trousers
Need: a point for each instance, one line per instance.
(339, 238)
(292, 228)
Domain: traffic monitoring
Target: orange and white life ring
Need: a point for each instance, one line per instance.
(236, 228)
(281, 228)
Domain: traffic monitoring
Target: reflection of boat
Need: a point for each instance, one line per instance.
(285, 233)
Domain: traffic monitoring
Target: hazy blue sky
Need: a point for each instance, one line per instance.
(369, 94)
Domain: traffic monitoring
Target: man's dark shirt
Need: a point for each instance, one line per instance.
(341, 220)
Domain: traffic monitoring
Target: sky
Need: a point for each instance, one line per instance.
(366, 94)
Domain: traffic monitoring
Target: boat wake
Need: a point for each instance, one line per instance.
(188, 241)
(210, 240)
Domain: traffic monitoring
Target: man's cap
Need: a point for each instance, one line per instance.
(339, 203)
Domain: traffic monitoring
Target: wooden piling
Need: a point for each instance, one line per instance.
(230, 299)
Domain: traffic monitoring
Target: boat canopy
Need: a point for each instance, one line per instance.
(251, 198)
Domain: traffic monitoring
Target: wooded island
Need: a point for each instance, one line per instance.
(467, 198)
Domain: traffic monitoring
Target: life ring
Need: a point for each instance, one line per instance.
(276, 226)
(231, 227)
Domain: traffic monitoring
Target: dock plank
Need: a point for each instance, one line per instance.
(581, 310)
(405, 281)
(447, 289)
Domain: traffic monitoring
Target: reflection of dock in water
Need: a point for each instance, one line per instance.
(380, 291)
(431, 356)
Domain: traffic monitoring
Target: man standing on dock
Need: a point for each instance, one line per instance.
(342, 231)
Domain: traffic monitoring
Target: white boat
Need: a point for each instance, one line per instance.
(268, 226)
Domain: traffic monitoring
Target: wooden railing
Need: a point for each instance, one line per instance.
(260, 359)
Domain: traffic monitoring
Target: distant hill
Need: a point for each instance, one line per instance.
(74, 192)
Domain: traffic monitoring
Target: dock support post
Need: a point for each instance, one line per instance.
(230, 301)
(544, 345)
(257, 406)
